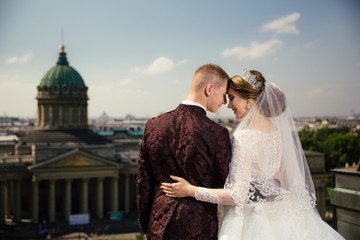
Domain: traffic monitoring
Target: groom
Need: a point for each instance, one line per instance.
(186, 143)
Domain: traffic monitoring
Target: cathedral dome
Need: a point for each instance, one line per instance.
(62, 74)
(62, 97)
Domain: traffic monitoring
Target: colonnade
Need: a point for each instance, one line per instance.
(11, 195)
(52, 115)
(15, 201)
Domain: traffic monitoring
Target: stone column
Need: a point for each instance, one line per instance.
(2, 202)
(60, 109)
(79, 116)
(35, 203)
(100, 198)
(86, 115)
(9, 198)
(52, 200)
(42, 118)
(38, 115)
(17, 200)
(81, 113)
(51, 115)
(67, 199)
(114, 194)
(84, 196)
(127, 192)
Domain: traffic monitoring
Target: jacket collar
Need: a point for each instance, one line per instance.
(188, 102)
(192, 108)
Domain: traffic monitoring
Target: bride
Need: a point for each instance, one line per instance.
(269, 192)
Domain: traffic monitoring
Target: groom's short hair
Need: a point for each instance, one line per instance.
(208, 73)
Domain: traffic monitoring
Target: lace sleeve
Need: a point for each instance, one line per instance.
(239, 178)
(216, 196)
(206, 195)
(237, 186)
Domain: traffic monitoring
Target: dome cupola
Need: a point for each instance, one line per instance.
(62, 74)
(62, 97)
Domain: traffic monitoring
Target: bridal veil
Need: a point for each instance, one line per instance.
(269, 157)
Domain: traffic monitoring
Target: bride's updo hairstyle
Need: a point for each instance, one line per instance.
(278, 106)
(246, 90)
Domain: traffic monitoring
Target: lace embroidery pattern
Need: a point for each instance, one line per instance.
(255, 161)
(206, 195)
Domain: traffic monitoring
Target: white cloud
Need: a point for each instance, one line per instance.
(22, 59)
(160, 65)
(315, 92)
(319, 92)
(124, 82)
(282, 25)
(256, 49)
(182, 62)
(310, 44)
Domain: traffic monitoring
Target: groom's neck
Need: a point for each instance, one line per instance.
(197, 99)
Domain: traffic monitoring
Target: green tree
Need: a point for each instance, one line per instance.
(340, 145)
(307, 138)
(340, 149)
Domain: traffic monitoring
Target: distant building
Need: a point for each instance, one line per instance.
(352, 123)
(63, 167)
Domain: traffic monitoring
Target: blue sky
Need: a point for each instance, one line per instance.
(138, 57)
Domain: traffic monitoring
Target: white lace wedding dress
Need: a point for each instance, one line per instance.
(266, 196)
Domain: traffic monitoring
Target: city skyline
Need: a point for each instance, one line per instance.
(138, 57)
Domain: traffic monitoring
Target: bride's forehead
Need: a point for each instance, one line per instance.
(232, 92)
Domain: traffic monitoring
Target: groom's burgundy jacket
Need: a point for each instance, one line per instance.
(185, 143)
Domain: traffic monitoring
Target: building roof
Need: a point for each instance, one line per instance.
(63, 136)
(62, 74)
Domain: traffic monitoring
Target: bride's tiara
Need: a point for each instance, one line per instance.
(251, 79)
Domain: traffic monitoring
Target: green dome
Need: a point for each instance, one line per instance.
(62, 74)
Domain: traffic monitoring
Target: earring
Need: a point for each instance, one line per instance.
(248, 106)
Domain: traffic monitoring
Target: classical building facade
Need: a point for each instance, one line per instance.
(63, 168)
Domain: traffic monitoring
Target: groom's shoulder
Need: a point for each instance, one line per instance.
(214, 127)
(159, 118)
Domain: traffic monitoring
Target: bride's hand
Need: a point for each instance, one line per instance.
(179, 189)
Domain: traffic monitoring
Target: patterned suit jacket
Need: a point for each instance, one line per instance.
(185, 143)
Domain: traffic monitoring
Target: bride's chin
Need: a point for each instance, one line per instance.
(238, 117)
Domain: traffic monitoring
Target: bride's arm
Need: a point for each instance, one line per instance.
(237, 187)
(183, 188)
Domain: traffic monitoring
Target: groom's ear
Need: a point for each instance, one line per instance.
(208, 88)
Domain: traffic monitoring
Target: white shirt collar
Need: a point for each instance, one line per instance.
(188, 102)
